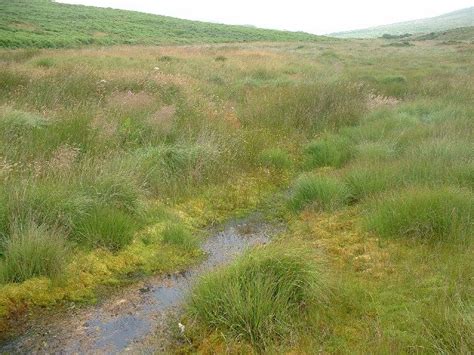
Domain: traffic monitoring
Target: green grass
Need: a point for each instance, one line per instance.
(309, 107)
(441, 215)
(105, 227)
(331, 150)
(263, 298)
(275, 158)
(33, 251)
(181, 237)
(321, 192)
(368, 180)
(45, 24)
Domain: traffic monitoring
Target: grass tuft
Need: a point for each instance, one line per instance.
(275, 158)
(322, 192)
(444, 214)
(263, 298)
(32, 251)
(332, 150)
(106, 227)
(181, 237)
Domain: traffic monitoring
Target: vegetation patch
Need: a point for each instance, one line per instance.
(433, 215)
(56, 25)
(263, 298)
(321, 192)
(275, 158)
(181, 237)
(105, 227)
(33, 251)
(117, 156)
(332, 150)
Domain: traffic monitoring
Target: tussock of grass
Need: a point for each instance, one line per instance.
(45, 62)
(263, 298)
(444, 214)
(117, 189)
(450, 330)
(47, 203)
(304, 108)
(179, 236)
(169, 170)
(393, 85)
(375, 151)
(275, 158)
(105, 227)
(10, 80)
(31, 251)
(14, 123)
(322, 192)
(332, 150)
(363, 181)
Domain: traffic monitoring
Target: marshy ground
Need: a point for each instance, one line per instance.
(138, 317)
(115, 161)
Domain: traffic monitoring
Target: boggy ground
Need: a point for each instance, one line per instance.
(139, 317)
(116, 159)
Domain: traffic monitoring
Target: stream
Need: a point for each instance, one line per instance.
(137, 318)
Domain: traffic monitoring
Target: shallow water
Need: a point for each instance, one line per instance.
(139, 316)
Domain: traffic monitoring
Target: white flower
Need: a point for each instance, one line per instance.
(156, 68)
(181, 328)
(103, 81)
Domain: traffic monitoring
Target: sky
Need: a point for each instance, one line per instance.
(313, 16)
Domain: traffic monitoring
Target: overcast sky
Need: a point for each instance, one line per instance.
(319, 17)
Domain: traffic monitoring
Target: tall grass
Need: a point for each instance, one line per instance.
(105, 227)
(179, 236)
(365, 180)
(306, 108)
(263, 298)
(441, 215)
(323, 193)
(32, 251)
(331, 150)
(275, 158)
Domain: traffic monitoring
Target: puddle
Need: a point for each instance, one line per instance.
(124, 322)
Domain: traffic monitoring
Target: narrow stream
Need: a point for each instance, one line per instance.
(138, 317)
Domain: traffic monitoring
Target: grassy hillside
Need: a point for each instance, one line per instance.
(456, 19)
(457, 34)
(45, 24)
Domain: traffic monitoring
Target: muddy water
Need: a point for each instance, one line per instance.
(138, 318)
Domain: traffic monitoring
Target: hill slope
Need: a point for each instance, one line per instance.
(457, 34)
(43, 23)
(460, 18)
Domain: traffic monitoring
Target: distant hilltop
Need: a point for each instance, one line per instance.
(452, 20)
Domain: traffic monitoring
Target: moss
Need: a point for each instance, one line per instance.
(88, 270)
